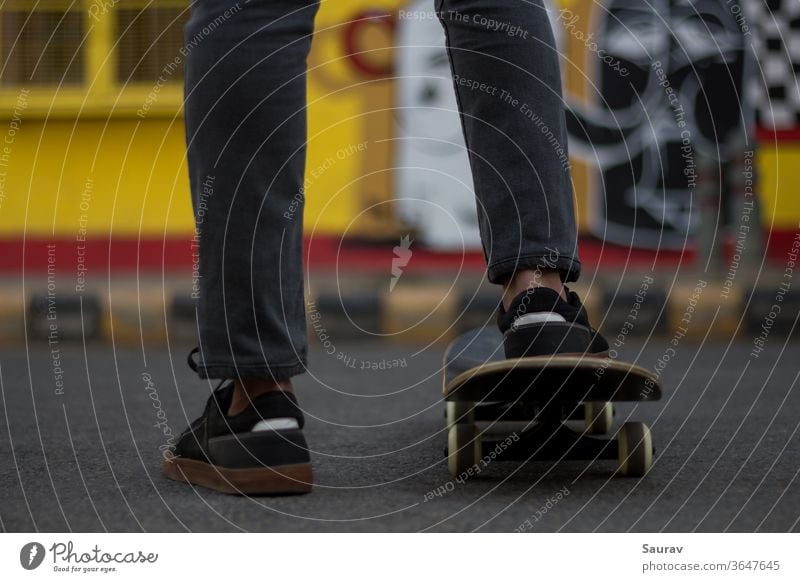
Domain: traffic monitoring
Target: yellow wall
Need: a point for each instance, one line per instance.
(135, 168)
(131, 173)
(779, 185)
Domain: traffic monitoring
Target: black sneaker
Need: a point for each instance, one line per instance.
(540, 323)
(258, 451)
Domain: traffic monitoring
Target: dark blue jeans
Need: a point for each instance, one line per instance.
(245, 113)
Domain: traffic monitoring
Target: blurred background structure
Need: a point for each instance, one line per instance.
(684, 118)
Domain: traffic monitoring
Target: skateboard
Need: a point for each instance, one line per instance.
(547, 396)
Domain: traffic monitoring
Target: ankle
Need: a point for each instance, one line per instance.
(247, 390)
(530, 279)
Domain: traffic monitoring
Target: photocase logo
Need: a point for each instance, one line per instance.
(31, 555)
(402, 254)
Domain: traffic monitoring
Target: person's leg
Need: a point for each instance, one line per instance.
(245, 112)
(508, 86)
(515, 133)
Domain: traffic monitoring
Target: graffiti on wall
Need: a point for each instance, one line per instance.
(651, 88)
(643, 135)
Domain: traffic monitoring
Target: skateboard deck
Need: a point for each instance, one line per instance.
(476, 371)
(544, 392)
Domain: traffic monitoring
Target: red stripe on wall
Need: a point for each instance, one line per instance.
(175, 256)
(764, 134)
(779, 244)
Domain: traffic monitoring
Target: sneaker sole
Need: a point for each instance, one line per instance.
(281, 479)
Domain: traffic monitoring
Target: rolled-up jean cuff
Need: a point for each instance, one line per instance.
(500, 271)
(230, 371)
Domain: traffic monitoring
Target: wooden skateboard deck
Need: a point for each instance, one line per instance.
(476, 371)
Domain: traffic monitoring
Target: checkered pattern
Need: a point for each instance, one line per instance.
(775, 88)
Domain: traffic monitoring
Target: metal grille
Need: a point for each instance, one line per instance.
(149, 45)
(41, 47)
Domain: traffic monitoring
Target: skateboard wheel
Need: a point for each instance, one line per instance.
(463, 448)
(459, 413)
(635, 449)
(598, 417)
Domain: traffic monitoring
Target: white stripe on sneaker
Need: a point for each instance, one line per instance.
(539, 317)
(276, 424)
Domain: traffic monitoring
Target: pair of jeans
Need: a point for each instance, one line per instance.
(245, 115)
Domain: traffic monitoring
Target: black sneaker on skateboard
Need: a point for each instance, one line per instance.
(540, 323)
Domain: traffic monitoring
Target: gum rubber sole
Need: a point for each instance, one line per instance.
(281, 479)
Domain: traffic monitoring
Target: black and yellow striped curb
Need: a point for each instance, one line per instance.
(423, 313)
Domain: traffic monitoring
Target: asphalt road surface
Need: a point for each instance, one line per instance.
(84, 456)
